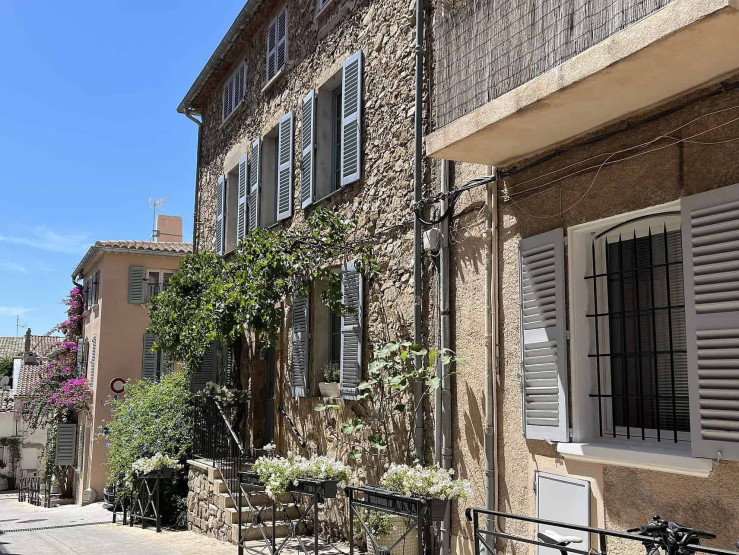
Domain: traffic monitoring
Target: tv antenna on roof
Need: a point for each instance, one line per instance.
(154, 204)
(18, 325)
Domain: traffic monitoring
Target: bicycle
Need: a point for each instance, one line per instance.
(670, 537)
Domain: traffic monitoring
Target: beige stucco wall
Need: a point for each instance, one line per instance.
(119, 327)
(621, 497)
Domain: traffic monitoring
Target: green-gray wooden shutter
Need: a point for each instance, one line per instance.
(710, 232)
(307, 145)
(282, 39)
(220, 203)
(285, 168)
(300, 344)
(93, 352)
(352, 297)
(272, 50)
(66, 442)
(208, 368)
(136, 284)
(80, 356)
(543, 336)
(254, 183)
(351, 119)
(242, 209)
(80, 447)
(149, 358)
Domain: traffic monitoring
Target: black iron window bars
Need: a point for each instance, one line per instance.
(638, 320)
(421, 513)
(304, 501)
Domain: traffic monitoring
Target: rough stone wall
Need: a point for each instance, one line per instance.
(205, 513)
(379, 202)
(622, 497)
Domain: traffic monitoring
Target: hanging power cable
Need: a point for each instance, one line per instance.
(452, 196)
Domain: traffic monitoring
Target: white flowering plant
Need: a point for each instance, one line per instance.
(424, 481)
(278, 474)
(159, 461)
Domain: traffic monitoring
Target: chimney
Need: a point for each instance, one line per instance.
(27, 344)
(169, 229)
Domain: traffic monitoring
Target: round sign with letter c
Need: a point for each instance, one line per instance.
(117, 385)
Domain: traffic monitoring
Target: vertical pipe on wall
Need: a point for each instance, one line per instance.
(188, 114)
(418, 432)
(491, 351)
(443, 424)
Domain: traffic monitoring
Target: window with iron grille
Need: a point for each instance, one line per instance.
(637, 325)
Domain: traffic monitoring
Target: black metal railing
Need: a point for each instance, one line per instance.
(485, 537)
(30, 491)
(216, 440)
(298, 436)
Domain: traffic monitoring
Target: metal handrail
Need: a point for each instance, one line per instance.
(473, 513)
(298, 435)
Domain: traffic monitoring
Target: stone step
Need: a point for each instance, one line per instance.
(253, 533)
(231, 515)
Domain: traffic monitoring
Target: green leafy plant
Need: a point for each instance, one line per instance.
(377, 522)
(387, 393)
(228, 397)
(331, 372)
(420, 481)
(278, 474)
(212, 300)
(6, 366)
(151, 418)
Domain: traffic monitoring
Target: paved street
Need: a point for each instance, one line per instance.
(72, 529)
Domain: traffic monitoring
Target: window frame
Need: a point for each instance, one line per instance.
(278, 70)
(230, 83)
(582, 378)
(161, 273)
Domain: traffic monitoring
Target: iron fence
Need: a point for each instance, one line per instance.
(486, 537)
(34, 490)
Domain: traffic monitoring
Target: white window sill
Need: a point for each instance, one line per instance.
(237, 109)
(322, 10)
(674, 459)
(275, 77)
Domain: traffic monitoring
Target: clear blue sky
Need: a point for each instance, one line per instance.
(89, 132)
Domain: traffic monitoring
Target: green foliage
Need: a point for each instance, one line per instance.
(6, 366)
(14, 446)
(209, 299)
(151, 418)
(387, 390)
(331, 372)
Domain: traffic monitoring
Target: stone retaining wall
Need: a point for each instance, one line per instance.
(206, 510)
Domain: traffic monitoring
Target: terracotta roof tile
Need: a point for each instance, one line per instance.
(164, 247)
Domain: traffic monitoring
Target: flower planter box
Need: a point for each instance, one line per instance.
(329, 389)
(326, 489)
(395, 503)
(164, 473)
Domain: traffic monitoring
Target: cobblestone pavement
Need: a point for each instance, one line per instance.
(29, 530)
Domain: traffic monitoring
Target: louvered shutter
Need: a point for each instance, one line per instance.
(272, 50)
(242, 209)
(285, 169)
(351, 119)
(80, 447)
(66, 441)
(543, 336)
(254, 183)
(710, 230)
(225, 106)
(208, 368)
(240, 84)
(307, 146)
(281, 39)
(149, 359)
(93, 353)
(352, 296)
(300, 345)
(136, 284)
(80, 355)
(220, 202)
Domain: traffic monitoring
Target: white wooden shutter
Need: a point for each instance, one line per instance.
(80, 447)
(285, 169)
(281, 39)
(136, 284)
(300, 345)
(254, 183)
(272, 50)
(66, 441)
(225, 101)
(351, 119)
(242, 209)
(208, 368)
(149, 359)
(239, 85)
(93, 352)
(220, 202)
(543, 336)
(307, 146)
(710, 232)
(352, 296)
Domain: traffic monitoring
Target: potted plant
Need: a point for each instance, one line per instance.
(296, 473)
(330, 386)
(162, 463)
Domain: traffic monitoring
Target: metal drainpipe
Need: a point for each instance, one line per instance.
(491, 351)
(443, 412)
(418, 435)
(188, 114)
